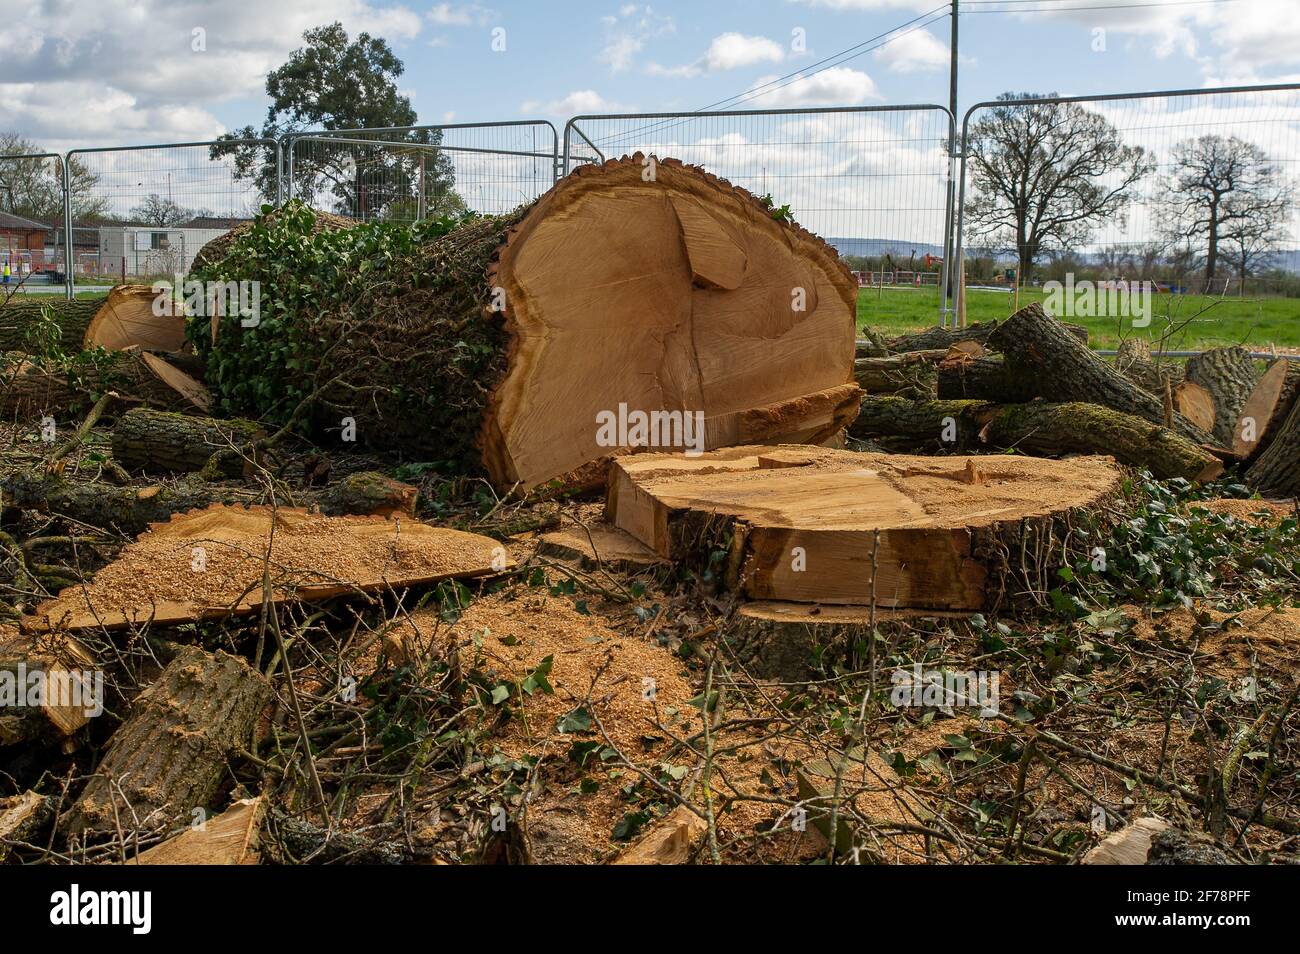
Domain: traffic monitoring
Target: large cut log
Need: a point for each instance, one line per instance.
(129, 316)
(639, 302)
(163, 442)
(210, 564)
(1058, 367)
(1266, 408)
(1276, 471)
(170, 755)
(131, 510)
(809, 524)
(1229, 375)
(945, 338)
(1037, 428)
(218, 248)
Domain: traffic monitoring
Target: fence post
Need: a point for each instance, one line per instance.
(65, 162)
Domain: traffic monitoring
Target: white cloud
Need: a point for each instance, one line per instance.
(628, 31)
(470, 14)
(915, 52)
(577, 102)
(836, 86)
(728, 51)
(111, 74)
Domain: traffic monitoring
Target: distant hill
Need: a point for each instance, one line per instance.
(870, 247)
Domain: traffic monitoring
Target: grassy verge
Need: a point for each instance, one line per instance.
(1200, 321)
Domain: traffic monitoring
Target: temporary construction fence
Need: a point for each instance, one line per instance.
(138, 212)
(874, 181)
(403, 174)
(31, 198)
(1193, 190)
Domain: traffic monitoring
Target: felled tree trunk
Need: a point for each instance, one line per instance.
(912, 372)
(945, 338)
(1266, 408)
(1133, 360)
(1038, 428)
(1057, 367)
(163, 442)
(527, 346)
(1229, 375)
(169, 756)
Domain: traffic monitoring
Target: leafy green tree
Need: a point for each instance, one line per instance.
(334, 83)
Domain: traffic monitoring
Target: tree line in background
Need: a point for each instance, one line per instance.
(1047, 176)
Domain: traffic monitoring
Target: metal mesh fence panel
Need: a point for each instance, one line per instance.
(1194, 192)
(32, 226)
(144, 212)
(403, 175)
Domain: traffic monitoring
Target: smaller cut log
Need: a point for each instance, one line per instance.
(1059, 368)
(1194, 403)
(1266, 408)
(31, 389)
(368, 493)
(945, 338)
(136, 316)
(911, 371)
(34, 322)
(164, 442)
(983, 379)
(1037, 428)
(1276, 471)
(1229, 375)
(1133, 360)
(71, 684)
(170, 755)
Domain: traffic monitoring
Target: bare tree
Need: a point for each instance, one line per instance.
(1045, 174)
(1227, 200)
(32, 187)
(155, 210)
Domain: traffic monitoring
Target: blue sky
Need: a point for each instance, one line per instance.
(124, 71)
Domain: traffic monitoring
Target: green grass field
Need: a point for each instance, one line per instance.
(1199, 321)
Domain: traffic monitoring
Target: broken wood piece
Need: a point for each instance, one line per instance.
(164, 442)
(810, 524)
(169, 757)
(598, 546)
(21, 816)
(1265, 408)
(671, 840)
(1128, 846)
(229, 839)
(1194, 403)
(208, 564)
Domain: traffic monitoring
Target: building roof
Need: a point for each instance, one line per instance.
(10, 221)
(211, 222)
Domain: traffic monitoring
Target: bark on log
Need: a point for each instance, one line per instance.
(912, 372)
(130, 510)
(32, 389)
(164, 442)
(1266, 408)
(1229, 375)
(1133, 360)
(169, 756)
(1038, 428)
(1059, 368)
(983, 379)
(503, 345)
(22, 318)
(945, 338)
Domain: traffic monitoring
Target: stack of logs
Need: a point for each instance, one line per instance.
(1031, 383)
